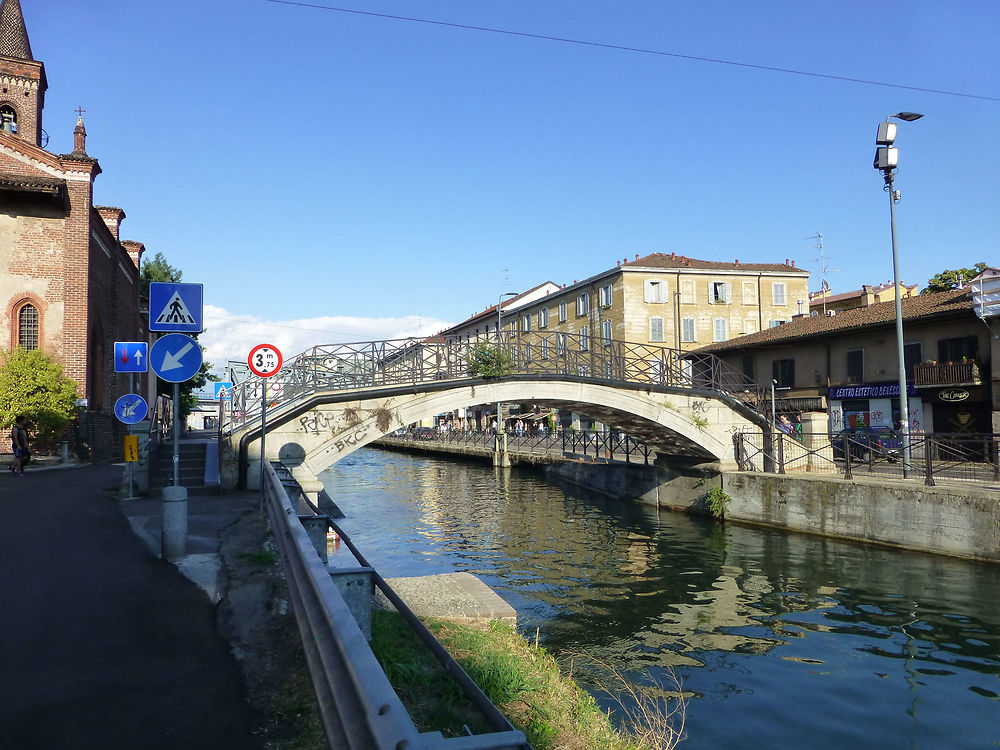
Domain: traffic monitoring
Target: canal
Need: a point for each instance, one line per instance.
(780, 640)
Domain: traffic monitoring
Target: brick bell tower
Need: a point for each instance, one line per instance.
(22, 78)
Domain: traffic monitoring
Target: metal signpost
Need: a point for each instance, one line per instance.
(176, 309)
(131, 357)
(264, 361)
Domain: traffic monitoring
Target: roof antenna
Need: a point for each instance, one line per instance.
(824, 289)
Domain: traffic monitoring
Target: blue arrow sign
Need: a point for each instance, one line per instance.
(175, 357)
(131, 408)
(175, 307)
(131, 356)
(223, 390)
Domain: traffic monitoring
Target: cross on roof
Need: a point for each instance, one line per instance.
(80, 111)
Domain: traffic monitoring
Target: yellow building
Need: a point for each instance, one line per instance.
(671, 300)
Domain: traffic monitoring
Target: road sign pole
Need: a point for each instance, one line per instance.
(263, 432)
(177, 434)
(131, 465)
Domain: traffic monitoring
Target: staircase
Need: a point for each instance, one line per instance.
(198, 460)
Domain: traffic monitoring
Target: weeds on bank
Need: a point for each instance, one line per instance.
(526, 683)
(263, 557)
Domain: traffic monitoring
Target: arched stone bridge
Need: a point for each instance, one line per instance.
(331, 400)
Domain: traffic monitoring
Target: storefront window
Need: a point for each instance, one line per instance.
(856, 414)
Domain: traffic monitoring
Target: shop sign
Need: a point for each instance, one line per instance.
(886, 390)
(952, 395)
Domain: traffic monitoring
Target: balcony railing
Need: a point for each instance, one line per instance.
(946, 373)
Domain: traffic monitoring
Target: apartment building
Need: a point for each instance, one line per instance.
(669, 299)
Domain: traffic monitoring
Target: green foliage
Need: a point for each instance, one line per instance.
(700, 422)
(950, 279)
(489, 361)
(33, 384)
(157, 269)
(717, 500)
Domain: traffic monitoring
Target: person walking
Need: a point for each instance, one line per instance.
(19, 442)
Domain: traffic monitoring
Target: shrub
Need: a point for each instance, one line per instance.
(33, 384)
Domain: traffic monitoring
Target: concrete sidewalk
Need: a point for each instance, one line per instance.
(103, 644)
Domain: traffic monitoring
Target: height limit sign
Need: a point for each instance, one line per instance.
(264, 360)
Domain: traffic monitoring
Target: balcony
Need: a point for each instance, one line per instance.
(931, 374)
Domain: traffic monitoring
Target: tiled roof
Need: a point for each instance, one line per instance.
(818, 299)
(882, 313)
(52, 185)
(662, 260)
(13, 35)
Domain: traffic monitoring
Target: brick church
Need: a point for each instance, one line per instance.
(70, 285)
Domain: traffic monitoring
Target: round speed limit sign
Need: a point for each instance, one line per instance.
(264, 360)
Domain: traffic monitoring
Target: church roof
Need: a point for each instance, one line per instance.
(13, 34)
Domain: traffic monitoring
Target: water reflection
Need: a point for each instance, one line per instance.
(785, 640)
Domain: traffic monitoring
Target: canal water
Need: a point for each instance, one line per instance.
(781, 640)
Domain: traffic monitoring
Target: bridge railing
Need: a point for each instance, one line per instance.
(373, 364)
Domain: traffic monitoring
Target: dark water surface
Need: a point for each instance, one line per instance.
(783, 640)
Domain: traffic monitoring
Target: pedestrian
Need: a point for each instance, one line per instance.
(784, 425)
(19, 441)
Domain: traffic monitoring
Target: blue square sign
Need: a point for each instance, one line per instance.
(175, 307)
(223, 390)
(131, 356)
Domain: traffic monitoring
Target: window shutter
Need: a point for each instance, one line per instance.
(656, 329)
(648, 291)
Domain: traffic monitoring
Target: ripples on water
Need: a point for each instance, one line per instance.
(784, 640)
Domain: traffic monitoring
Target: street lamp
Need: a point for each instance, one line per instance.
(886, 160)
(500, 299)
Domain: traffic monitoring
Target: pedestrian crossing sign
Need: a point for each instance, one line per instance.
(175, 307)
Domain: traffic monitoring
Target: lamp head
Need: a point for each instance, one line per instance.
(907, 116)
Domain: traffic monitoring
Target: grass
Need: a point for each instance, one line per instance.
(526, 683)
(264, 557)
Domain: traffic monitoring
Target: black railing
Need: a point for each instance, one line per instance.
(934, 457)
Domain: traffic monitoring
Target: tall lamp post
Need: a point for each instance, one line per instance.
(500, 452)
(886, 161)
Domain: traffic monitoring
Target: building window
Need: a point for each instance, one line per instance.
(856, 366)
(719, 292)
(562, 311)
(687, 292)
(513, 327)
(604, 295)
(8, 119)
(656, 330)
(912, 355)
(720, 329)
(687, 330)
(654, 291)
(952, 350)
(775, 323)
(585, 338)
(783, 370)
(526, 323)
(746, 367)
(27, 327)
(543, 318)
(778, 293)
(545, 348)
(527, 353)
(750, 326)
(606, 332)
(583, 304)
(560, 343)
(749, 293)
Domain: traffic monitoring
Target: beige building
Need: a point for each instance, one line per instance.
(823, 301)
(670, 300)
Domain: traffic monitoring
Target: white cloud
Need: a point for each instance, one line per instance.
(231, 336)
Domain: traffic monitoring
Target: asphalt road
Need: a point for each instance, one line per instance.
(102, 645)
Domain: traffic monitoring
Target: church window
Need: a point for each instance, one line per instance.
(27, 327)
(8, 119)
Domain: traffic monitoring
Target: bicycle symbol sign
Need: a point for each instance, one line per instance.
(264, 360)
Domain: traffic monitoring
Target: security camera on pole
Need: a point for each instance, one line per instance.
(175, 308)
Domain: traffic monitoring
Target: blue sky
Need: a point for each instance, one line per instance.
(330, 175)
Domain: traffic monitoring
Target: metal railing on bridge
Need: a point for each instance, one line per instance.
(411, 362)
(934, 457)
(357, 705)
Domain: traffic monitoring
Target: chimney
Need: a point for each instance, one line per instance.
(786, 261)
(793, 264)
(112, 216)
(737, 261)
(673, 256)
(79, 138)
(625, 261)
(619, 264)
(637, 256)
(134, 249)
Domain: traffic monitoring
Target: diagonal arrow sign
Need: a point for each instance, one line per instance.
(172, 361)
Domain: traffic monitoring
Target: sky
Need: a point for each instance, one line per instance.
(333, 176)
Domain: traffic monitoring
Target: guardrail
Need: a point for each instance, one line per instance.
(357, 706)
(935, 457)
(374, 364)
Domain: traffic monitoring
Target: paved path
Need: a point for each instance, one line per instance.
(102, 645)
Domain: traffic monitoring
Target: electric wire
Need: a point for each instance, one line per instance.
(641, 50)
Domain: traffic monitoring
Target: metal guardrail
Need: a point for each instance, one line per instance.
(374, 364)
(358, 708)
(935, 457)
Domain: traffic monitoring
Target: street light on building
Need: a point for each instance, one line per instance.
(886, 160)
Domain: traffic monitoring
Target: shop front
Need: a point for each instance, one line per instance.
(876, 405)
(961, 410)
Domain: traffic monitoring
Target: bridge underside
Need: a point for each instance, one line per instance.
(311, 435)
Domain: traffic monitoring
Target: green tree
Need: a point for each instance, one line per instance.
(33, 384)
(489, 361)
(951, 279)
(158, 269)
